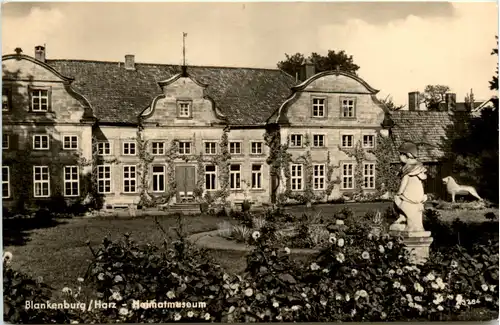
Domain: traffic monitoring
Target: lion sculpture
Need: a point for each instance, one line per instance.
(453, 188)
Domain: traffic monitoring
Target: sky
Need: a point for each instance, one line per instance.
(400, 46)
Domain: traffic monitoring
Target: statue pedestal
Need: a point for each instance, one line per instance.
(416, 242)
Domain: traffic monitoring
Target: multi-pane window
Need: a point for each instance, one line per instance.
(184, 109)
(104, 148)
(368, 141)
(210, 177)
(369, 175)
(70, 142)
(347, 176)
(129, 148)
(296, 140)
(184, 148)
(296, 177)
(104, 179)
(5, 99)
(319, 176)
(5, 141)
(211, 148)
(235, 177)
(40, 100)
(347, 141)
(318, 140)
(318, 107)
(129, 179)
(347, 107)
(158, 148)
(41, 181)
(158, 178)
(256, 148)
(41, 142)
(71, 181)
(257, 176)
(5, 182)
(235, 148)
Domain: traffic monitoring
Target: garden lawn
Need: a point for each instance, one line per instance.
(330, 209)
(60, 254)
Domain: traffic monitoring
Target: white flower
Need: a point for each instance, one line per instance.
(354, 272)
(74, 322)
(425, 278)
(279, 317)
(225, 277)
(80, 279)
(323, 302)
(340, 257)
(248, 292)
(308, 306)
(7, 257)
(434, 285)
(360, 293)
(391, 272)
(488, 298)
(459, 298)
(276, 304)
(332, 239)
(123, 311)
(390, 245)
(396, 284)
(353, 312)
(411, 304)
(100, 276)
(231, 309)
(370, 236)
(418, 298)
(431, 277)
(116, 296)
(170, 294)
(440, 308)
(440, 283)
(383, 315)
(347, 297)
(492, 287)
(438, 300)
(340, 242)
(381, 249)
(450, 297)
(255, 235)
(314, 266)
(118, 278)
(484, 287)
(418, 287)
(207, 316)
(66, 290)
(365, 255)
(190, 314)
(399, 272)
(295, 307)
(177, 316)
(287, 250)
(454, 264)
(338, 296)
(408, 296)
(326, 270)
(403, 288)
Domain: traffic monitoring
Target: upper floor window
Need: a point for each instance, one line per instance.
(158, 148)
(319, 107)
(129, 148)
(6, 99)
(41, 142)
(256, 148)
(235, 148)
(347, 140)
(184, 108)
(104, 148)
(318, 140)
(70, 142)
(184, 148)
(210, 147)
(5, 182)
(5, 141)
(40, 100)
(296, 140)
(368, 141)
(348, 106)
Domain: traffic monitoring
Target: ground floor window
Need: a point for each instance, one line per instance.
(5, 182)
(41, 181)
(257, 176)
(104, 179)
(347, 176)
(369, 175)
(129, 179)
(319, 176)
(235, 177)
(296, 177)
(210, 177)
(71, 181)
(158, 178)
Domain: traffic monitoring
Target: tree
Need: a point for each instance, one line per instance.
(390, 104)
(494, 80)
(433, 95)
(330, 61)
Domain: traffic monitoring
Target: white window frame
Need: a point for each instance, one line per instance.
(101, 147)
(319, 176)
(71, 181)
(160, 148)
(39, 98)
(318, 106)
(130, 179)
(368, 177)
(347, 176)
(213, 181)
(297, 177)
(258, 145)
(319, 135)
(344, 106)
(234, 174)
(180, 109)
(372, 143)
(237, 144)
(41, 181)
(70, 142)
(129, 143)
(257, 178)
(6, 181)
(6, 141)
(41, 136)
(342, 140)
(297, 136)
(158, 175)
(104, 180)
(210, 145)
(183, 147)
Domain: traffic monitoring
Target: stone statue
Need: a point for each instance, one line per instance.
(410, 198)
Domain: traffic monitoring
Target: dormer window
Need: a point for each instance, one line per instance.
(184, 109)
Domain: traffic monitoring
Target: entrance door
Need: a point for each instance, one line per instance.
(185, 179)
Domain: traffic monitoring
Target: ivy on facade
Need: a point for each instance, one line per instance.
(386, 171)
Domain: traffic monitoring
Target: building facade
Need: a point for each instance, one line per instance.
(132, 131)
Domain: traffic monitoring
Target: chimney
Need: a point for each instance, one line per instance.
(307, 70)
(129, 62)
(414, 101)
(451, 102)
(40, 53)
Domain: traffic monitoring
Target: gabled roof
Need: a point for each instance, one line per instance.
(246, 96)
(431, 131)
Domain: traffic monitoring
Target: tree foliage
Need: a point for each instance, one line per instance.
(433, 95)
(330, 61)
(389, 103)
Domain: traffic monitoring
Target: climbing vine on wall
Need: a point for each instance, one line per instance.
(359, 154)
(386, 172)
